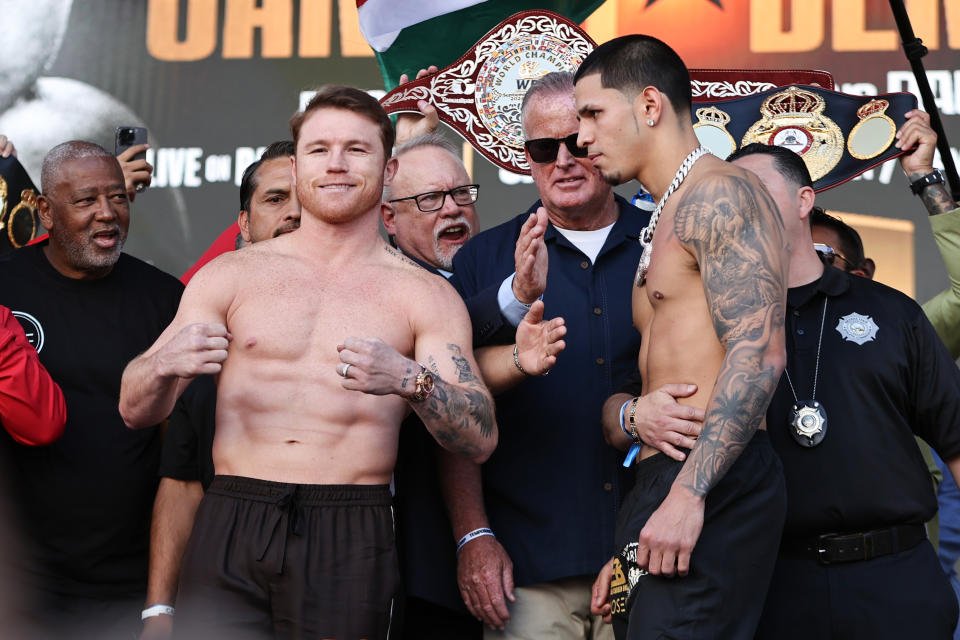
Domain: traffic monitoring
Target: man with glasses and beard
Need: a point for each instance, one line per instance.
(540, 513)
(88, 309)
(429, 214)
(431, 211)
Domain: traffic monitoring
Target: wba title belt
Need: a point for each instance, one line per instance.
(839, 136)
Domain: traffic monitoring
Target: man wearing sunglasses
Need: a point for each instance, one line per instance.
(539, 522)
(839, 244)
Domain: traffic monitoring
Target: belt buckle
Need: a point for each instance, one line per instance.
(868, 545)
(863, 543)
(822, 556)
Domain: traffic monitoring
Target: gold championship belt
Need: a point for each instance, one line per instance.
(839, 136)
(18, 205)
(794, 119)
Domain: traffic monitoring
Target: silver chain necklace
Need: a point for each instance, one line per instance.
(808, 420)
(646, 236)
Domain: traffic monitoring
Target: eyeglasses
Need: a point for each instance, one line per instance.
(544, 150)
(830, 255)
(434, 200)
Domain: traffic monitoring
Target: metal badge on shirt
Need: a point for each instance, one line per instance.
(858, 328)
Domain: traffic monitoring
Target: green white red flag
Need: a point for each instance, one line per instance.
(408, 35)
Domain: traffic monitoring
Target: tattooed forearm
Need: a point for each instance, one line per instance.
(734, 229)
(936, 199)
(737, 406)
(460, 416)
(464, 372)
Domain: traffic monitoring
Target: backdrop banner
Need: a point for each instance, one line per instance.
(215, 81)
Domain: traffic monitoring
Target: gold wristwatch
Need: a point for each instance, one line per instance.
(424, 384)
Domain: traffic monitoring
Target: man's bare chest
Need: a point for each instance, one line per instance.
(307, 318)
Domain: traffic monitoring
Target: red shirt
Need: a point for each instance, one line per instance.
(227, 241)
(32, 408)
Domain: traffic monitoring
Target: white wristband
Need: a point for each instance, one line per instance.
(623, 414)
(156, 610)
(476, 533)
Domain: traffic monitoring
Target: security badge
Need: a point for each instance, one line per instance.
(794, 119)
(857, 328)
(809, 422)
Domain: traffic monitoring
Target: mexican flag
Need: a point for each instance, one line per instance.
(408, 35)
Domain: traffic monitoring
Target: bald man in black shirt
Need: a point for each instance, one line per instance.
(865, 373)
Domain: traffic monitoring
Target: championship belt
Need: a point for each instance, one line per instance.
(479, 95)
(714, 85)
(18, 205)
(839, 136)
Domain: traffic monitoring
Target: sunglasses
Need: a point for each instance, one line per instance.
(544, 150)
(830, 255)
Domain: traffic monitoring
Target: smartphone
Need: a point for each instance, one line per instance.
(128, 137)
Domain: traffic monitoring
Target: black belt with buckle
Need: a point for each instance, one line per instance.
(837, 548)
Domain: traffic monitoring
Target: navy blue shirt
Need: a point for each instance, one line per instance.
(884, 377)
(553, 486)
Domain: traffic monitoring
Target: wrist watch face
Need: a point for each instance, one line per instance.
(425, 383)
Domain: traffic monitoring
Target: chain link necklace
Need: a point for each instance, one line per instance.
(646, 237)
(808, 419)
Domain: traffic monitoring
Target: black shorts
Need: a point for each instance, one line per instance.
(731, 564)
(275, 560)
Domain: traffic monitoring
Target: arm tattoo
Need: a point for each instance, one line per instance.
(406, 378)
(734, 229)
(455, 409)
(464, 373)
(936, 199)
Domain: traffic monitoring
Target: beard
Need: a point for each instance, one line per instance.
(613, 178)
(86, 255)
(336, 207)
(444, 254)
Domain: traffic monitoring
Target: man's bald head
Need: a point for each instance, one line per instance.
(65, 152)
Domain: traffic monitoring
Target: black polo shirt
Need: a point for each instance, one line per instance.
(884, 376)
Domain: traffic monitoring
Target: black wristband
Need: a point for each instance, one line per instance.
(918, 185)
